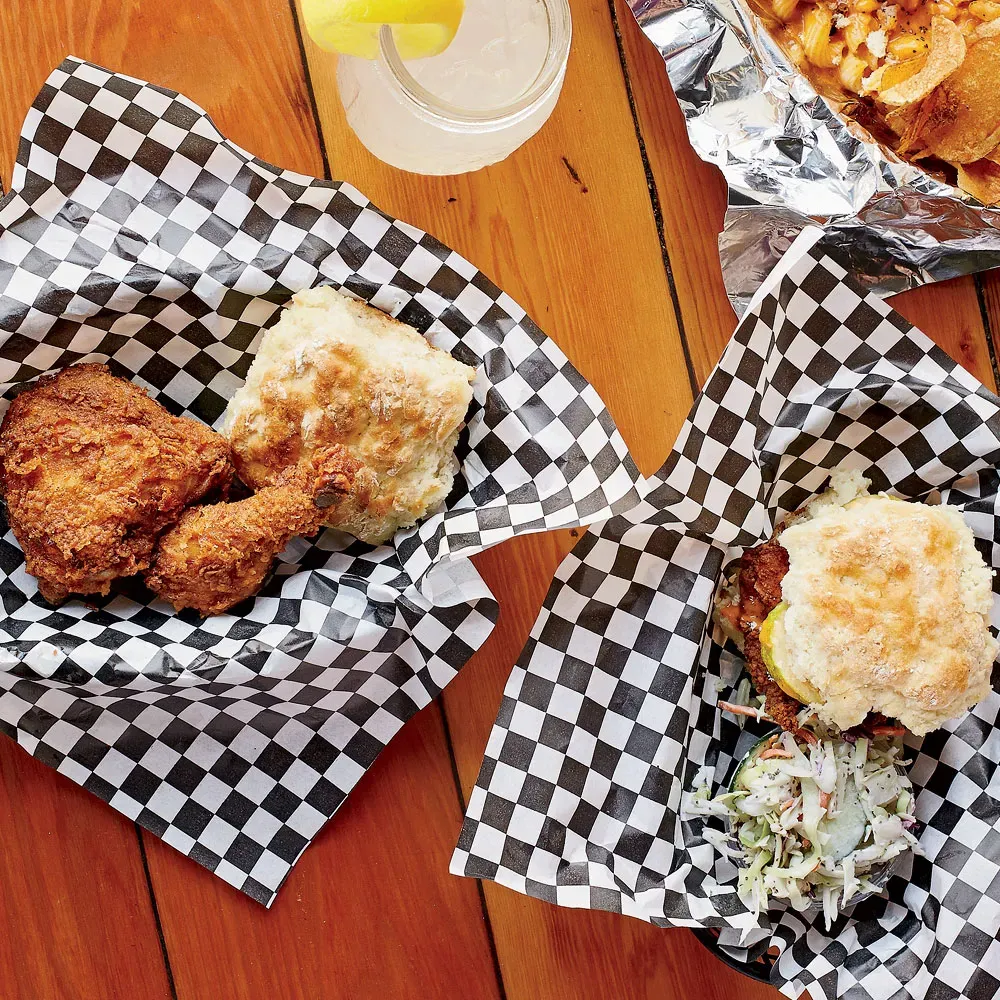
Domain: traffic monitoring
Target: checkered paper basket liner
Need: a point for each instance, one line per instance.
(611, 712)
(136, 234)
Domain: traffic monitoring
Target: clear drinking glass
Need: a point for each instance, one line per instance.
(489, 92)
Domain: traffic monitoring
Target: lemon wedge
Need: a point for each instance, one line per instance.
(420, 28)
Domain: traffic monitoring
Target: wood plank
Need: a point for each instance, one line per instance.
(74, 904)
(238, 60)
(611, 311)
(369, 911)
(241, 61)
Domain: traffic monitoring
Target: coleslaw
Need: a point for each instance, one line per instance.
(813, 818)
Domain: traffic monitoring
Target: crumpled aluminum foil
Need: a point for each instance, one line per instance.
(792, 158)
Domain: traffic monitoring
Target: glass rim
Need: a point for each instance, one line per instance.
(548, 79)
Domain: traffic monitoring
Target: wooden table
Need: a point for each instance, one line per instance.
(604, 228)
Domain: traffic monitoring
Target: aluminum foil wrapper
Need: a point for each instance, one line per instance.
(792, 158)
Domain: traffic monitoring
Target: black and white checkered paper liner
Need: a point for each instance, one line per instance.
(138, 235)
(611, 712)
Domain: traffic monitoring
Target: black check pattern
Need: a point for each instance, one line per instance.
(136, 234)
(611, 714)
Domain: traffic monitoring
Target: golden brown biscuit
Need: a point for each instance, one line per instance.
(887, 610)
(334, 371)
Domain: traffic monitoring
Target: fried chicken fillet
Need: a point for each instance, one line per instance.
(762, 569)
(217, 556)
(93, 471)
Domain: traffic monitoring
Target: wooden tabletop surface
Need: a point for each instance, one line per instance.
(604, 228)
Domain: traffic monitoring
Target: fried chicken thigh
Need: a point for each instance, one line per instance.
(93, 471)
(216, 556)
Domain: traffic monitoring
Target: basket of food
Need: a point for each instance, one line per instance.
(760, 704)
(253, 428)
(918, 76)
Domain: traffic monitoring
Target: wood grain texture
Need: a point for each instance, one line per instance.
(75, 909)
(368, 912)
(239, 60)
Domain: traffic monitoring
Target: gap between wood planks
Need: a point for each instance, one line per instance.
(317, 122)
(156, 912)
(494, 953)
(654, 201)
(984, 312)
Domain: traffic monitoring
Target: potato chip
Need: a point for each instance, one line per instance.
(988, 29)
(946, 52)
(907, 122)
(981, 179)
(964, 114)
(890, 75)
(901, 120)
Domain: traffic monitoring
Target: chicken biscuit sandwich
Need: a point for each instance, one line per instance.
(862, 606)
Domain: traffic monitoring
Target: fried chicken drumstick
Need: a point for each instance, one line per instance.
(93, 471)
(217, 556)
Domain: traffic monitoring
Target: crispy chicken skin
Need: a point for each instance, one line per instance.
(762, 569)
(217, 556)
(93, 471)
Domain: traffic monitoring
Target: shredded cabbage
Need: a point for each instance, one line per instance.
(811, 823)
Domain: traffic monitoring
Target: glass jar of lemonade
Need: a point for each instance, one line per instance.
(486, 94)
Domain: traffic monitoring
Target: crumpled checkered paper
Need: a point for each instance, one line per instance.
(135, 233)
(611, 712)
